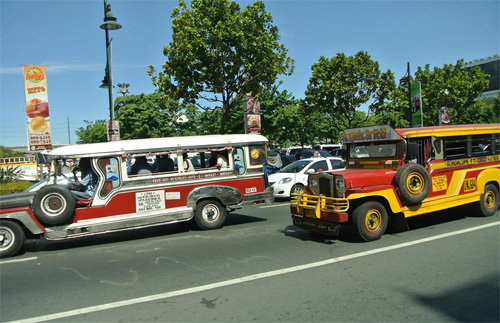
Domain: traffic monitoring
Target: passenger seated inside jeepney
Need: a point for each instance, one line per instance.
(164, 164)
(187, 164)
(221, 159)
(87, 183)
(141, 166)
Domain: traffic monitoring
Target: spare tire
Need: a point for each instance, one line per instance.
(53, 204)
(413, 183)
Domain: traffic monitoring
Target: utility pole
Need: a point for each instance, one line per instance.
(69, 136)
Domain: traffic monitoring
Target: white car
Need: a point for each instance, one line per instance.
(293, 177)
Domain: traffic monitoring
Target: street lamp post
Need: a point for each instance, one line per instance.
(110, 23)
(123, 89)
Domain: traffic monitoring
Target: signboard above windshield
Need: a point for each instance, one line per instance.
(372, 133)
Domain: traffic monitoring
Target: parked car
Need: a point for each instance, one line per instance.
(337, 152)
(292, 150)
(308, 153)
(293, 178)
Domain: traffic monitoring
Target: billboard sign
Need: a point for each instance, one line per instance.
(37, 107)
(252, 113)
(416, 105)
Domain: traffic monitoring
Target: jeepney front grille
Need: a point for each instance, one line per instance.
(326, 186)
(302, 202)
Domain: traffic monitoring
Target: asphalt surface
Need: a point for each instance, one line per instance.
(260, 268)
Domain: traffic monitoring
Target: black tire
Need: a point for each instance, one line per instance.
(53, 204)
(488, 202)
(413, 183)
(11, 238)
(370, 220)
(297, 188)
(209, 215)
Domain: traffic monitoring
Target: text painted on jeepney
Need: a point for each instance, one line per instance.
(471, 161)
(469, 184)
(149, 201)
(439, 183)
(189, 177)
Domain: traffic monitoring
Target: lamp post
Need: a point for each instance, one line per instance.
(123, 88)
(109, 24)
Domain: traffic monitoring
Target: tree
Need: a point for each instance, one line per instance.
(218, 53)
(94, 131)
(463, 86)
(8, 152)
(153, 116)
(343, 84)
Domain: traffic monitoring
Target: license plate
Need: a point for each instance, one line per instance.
(316, 226)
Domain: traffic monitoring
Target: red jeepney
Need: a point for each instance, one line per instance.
(402, 172)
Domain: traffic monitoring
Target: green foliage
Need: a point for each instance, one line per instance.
(218, 53)
(7, 152)
(154, 116)
(343, 84)
(14, 187)
(9, 174)
(94, 131)
(463, 86)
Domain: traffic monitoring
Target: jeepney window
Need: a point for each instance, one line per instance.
(111, 170)
(257, 155)
(455, 147)
(425, 152)
(239, 161)
(481, 145)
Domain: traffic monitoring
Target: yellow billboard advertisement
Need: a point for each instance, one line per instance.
(37, 107)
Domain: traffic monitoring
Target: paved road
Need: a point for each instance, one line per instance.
(260, 268)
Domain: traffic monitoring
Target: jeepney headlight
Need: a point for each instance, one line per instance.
(285, 180)
(339, 186)
(313, 182)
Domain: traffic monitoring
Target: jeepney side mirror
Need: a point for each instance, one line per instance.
(412, 151)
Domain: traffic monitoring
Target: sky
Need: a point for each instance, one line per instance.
(65, 36)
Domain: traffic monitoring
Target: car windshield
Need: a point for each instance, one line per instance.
(295, 167)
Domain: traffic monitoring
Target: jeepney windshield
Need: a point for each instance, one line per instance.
(372, 150)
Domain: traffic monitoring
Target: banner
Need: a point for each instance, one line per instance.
(37, 107)
(252, 112)
(416, 105)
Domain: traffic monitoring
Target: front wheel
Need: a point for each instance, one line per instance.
(370, 220)
(488, 202)
(11, 238)
(210, 214)
(297, 189)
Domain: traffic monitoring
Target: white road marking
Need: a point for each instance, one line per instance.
(17, 260)
(245, 279)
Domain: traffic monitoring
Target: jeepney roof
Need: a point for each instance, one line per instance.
(386, 132)
(114, 148)
(449, 130)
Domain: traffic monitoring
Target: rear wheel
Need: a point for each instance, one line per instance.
(210, 214)
(488, 202)
(11, 238)
(370, 220)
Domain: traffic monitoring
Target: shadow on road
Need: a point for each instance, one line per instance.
(472, 302)
(396, 225)
(42, 244)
